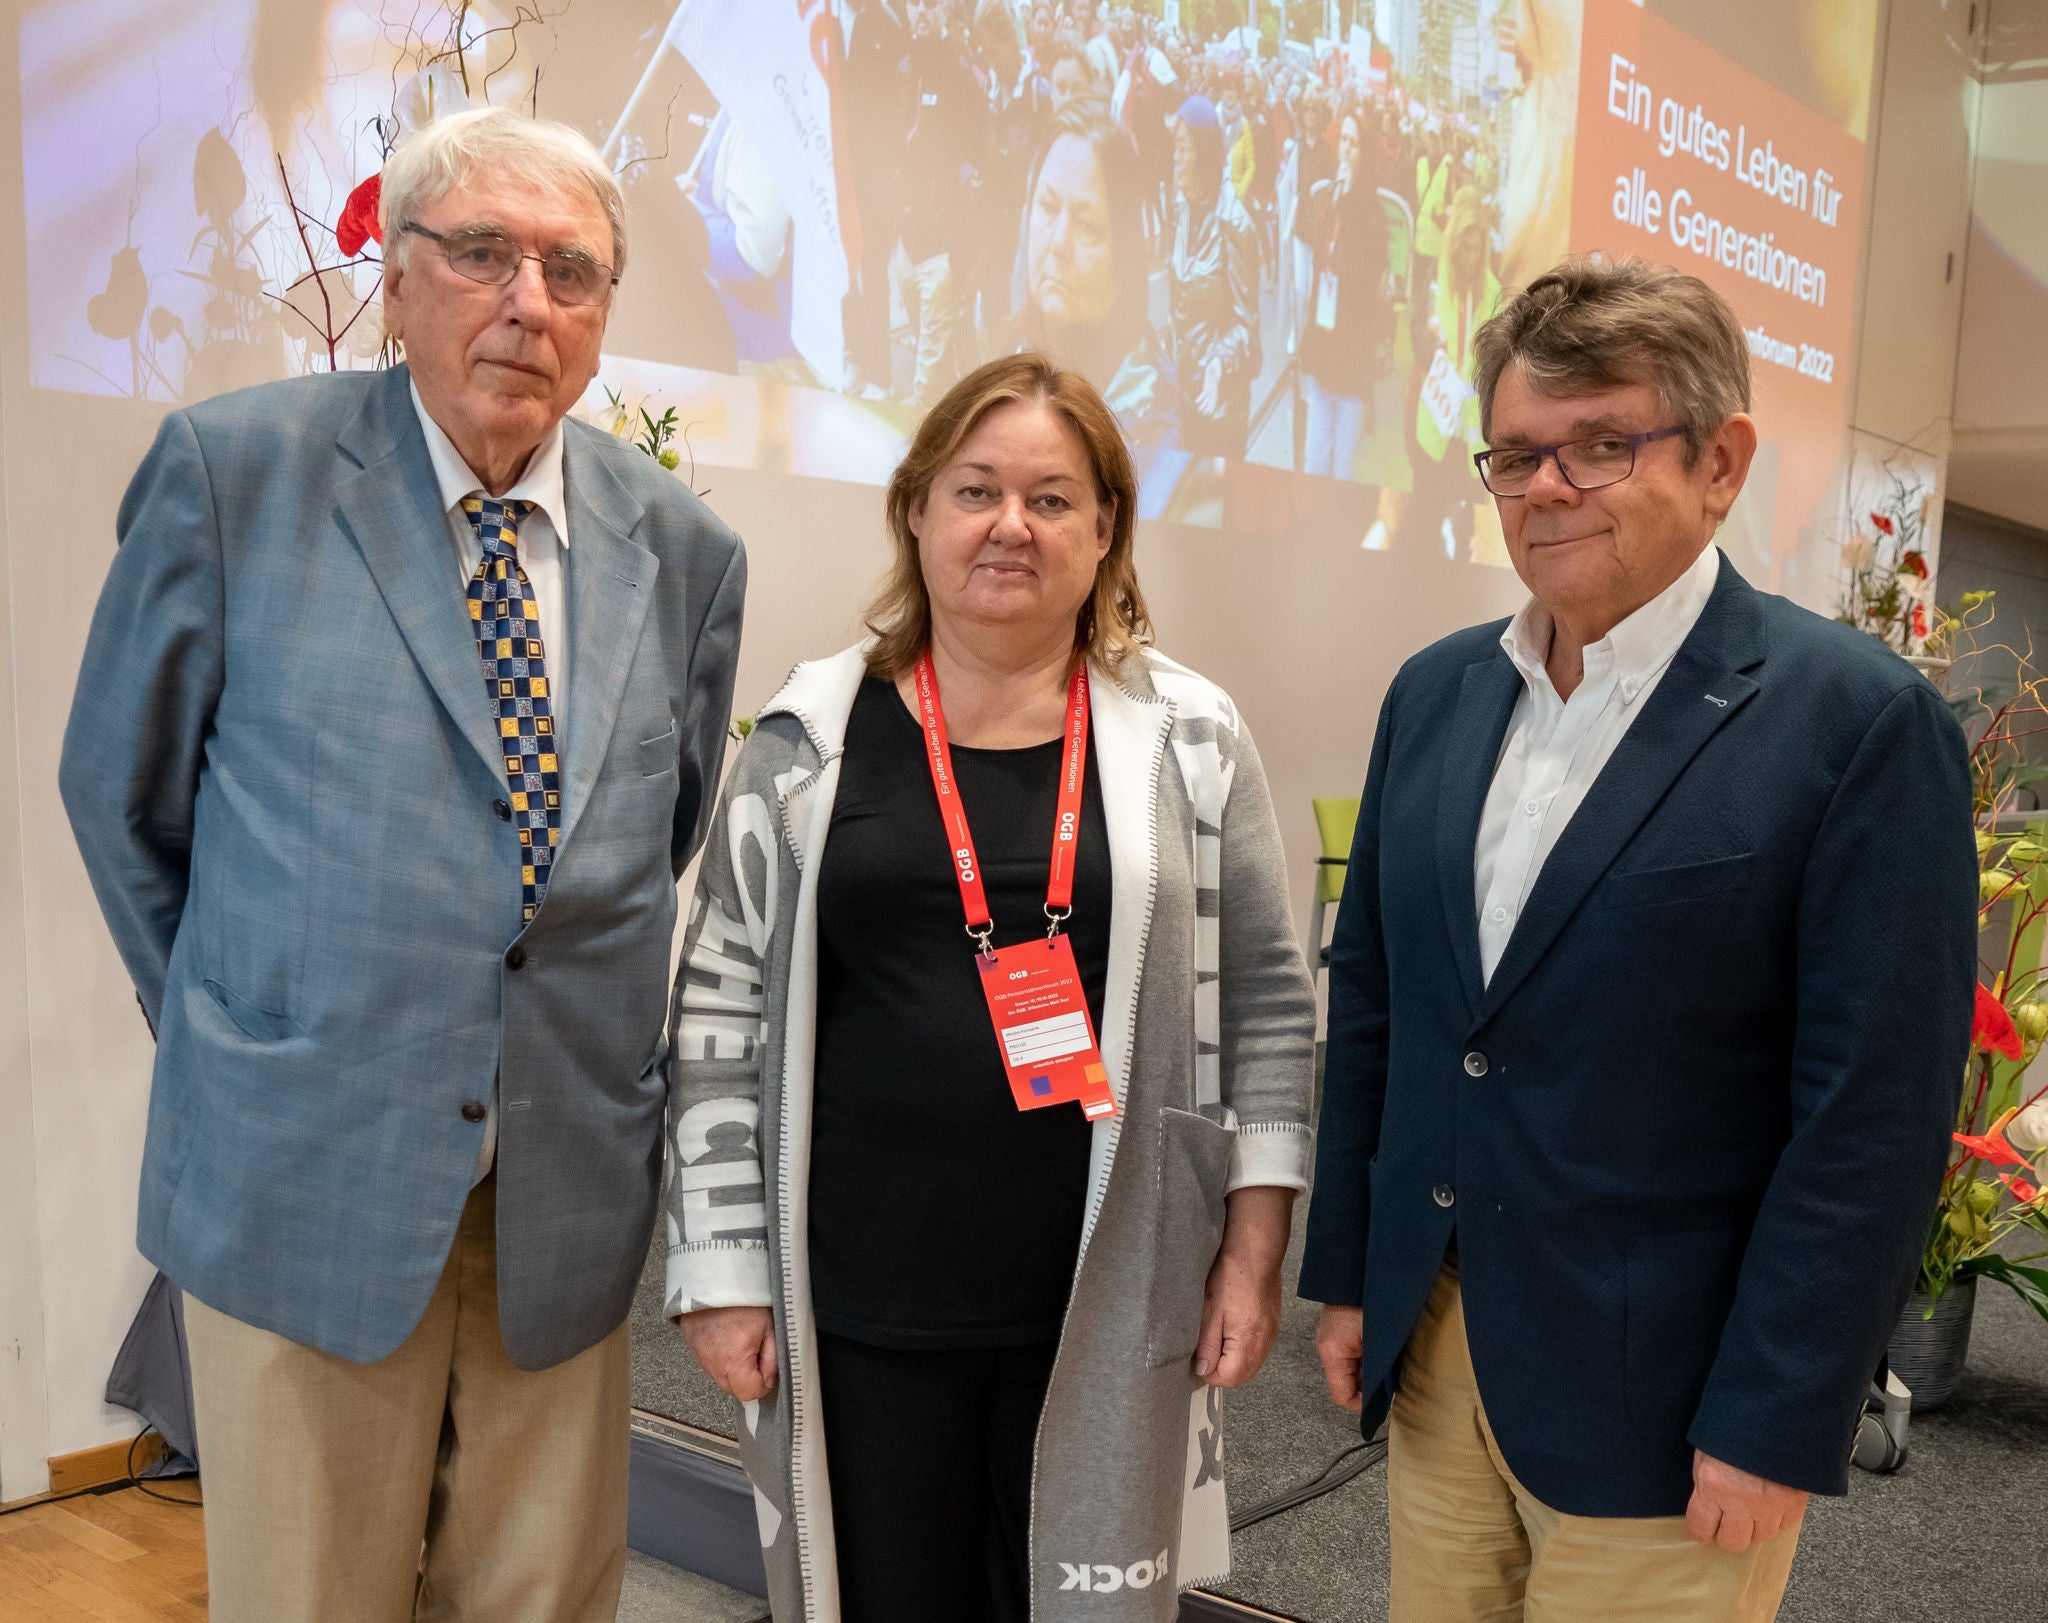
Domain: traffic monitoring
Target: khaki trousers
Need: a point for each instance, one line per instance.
(1472, 1545)
(440, 1484)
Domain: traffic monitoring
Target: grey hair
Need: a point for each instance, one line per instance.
(504, 145)
(1598, 324)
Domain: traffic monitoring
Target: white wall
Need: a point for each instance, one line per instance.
(24, 1395)
(1999, 462)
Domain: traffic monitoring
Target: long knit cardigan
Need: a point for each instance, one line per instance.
(1207, 1035)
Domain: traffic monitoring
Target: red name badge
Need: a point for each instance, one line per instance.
(1034, 991)
(1041, 1017)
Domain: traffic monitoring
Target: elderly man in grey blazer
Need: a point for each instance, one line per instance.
(398, 720)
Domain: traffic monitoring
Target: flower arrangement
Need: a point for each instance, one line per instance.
(1888, 589)
(644, 431)
(1993, 1188)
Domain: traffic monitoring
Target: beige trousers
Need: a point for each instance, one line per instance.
(440, 1484)
(1472, 1545)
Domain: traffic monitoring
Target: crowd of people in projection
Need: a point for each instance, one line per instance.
(1278, 258)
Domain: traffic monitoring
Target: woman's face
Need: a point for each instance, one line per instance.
(1011, 530)
(1348, 146)
(1067, 239)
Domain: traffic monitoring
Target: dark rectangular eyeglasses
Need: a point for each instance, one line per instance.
(1587, 464)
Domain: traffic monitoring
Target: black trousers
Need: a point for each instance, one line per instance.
(930, 1459)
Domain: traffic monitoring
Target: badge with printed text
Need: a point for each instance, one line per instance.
(1040, 1012)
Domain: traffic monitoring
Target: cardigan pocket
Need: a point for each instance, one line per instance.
(1187, 1231)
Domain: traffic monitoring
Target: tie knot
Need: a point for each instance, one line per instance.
(496, 523)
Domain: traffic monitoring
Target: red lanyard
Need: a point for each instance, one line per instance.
(1066, 828)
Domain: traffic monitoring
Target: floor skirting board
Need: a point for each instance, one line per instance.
(692, 1507)
(691, 1504)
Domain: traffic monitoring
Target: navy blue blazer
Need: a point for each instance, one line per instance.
(1688, 1137)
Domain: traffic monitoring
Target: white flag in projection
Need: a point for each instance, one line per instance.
(769, 63)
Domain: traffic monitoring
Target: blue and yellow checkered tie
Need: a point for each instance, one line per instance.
(507, 625)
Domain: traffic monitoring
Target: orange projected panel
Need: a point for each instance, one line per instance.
(1686, 159)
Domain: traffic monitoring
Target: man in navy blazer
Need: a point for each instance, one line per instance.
(1650, 999)
(398, 721)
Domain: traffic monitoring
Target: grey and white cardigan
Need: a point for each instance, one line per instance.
(1207, 1033)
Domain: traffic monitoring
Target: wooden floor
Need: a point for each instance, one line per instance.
(104, 1558)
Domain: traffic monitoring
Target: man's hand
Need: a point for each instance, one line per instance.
(736, 1346)
(1734, 1509)
(1241, 1304)
(1340, 1344)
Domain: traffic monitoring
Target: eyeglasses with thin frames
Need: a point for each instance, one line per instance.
(1586, 464)
(493, 259)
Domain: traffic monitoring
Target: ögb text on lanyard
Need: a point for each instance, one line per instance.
(1034, 992)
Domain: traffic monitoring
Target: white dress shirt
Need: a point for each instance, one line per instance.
(543, 538)
(1555, 748)
(543, 547)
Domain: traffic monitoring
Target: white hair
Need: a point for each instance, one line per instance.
(498, 144)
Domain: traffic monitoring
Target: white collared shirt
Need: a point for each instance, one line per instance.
(543, 546)
(543, 538)
(1555, 748)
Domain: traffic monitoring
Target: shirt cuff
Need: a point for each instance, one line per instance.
(1270, 1154)
(717, 1273)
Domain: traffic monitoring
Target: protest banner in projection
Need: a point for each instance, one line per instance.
(771, 67)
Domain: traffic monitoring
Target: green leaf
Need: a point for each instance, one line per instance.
(2029, 1284)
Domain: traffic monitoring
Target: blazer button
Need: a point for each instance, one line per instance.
(503, 809)
(1443, 1194)
(516, 958)
(1475, 1063)
(474, 1111)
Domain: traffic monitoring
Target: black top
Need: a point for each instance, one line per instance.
(941, 1214)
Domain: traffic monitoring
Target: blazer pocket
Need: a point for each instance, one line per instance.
(1187, 1231)
(1650, 887)
(658, 755)
(260, 1025)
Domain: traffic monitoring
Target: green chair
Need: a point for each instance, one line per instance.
(1336, 821)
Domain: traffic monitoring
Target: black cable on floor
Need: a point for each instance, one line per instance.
(116, 1486)
(136, 1482)
(1352, 1462)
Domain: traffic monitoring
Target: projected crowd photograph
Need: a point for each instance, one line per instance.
(1265, 247)
(1268, 233)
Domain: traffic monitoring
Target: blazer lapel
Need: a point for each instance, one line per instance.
(1703, 688)
(391, 508)
(610, 580)
(1486, 703)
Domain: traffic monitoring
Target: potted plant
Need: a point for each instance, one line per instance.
(1991, 1195)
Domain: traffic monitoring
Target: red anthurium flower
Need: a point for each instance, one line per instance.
(1992, 1147)
(1913, 563)
(358, 222)
(1882, 522)
(1992, 1029)
(2021, 1190)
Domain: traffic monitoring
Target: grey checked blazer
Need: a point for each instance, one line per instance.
(283, 773)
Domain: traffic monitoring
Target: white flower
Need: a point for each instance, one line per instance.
(2028, 1131)
(1917, 588)
(1859, 553)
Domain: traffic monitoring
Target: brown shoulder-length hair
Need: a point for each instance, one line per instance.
(1113, 622)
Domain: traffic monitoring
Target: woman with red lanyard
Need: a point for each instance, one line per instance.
(992, 1053)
